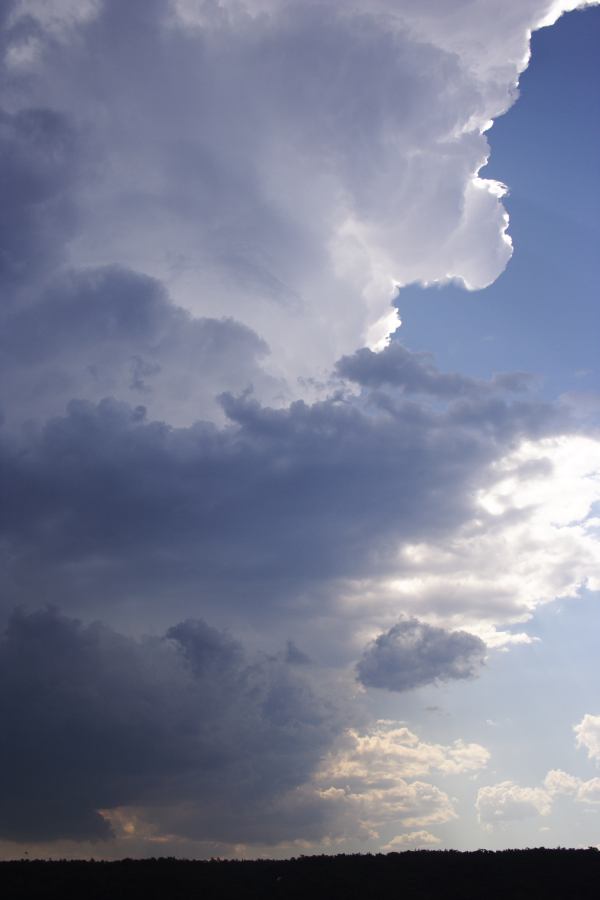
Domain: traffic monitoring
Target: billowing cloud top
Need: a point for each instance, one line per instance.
(282, 163)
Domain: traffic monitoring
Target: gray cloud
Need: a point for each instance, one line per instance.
(113, 331)
(209, 738)
(252, 513)
(412, 654)
(39, 165)
(416, 373)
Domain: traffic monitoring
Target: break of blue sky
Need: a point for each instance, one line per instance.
(273, 582)
(542, 313)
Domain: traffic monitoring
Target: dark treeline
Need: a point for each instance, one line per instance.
(423, 874)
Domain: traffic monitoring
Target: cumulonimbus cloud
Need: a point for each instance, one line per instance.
(281, 163)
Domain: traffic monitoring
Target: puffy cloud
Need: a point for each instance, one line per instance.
(416, 373)
(587, 734)
(330, 153)
(275, 502)
(414, 839)
(202, 738)
(413, 653)
(559, 782)
(589, 791)
(227, 200)
(391, 750)
(111, 331)
(372, 773)
(255, 224)
(541, 498)
(509, 802)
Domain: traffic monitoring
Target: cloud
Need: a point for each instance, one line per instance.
(296, 497)
(414, 839)
(587, 734)
(40, 165)
(111, 331)
(412, 654)
(416, 373)
(390, 750)
(377, 774)
(204, 737)
(509, 802)
(541, 496)
(200, 244)
(558, 782)
(332, 153)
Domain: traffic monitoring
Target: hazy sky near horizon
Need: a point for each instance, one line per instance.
(299, 437)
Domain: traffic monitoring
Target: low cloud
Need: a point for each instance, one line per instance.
(390, 750)
(377, 774)
(188, 727)
(505, 802)
(412, 654)
(587, 734)
(413, 839)
(559, 783)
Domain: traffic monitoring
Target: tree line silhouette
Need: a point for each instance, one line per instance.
(424, 874)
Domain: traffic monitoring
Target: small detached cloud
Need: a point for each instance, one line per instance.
(506, 801)
(562, 783)
(413, 839)
(412, 654)
(587, 734)
(509, 802)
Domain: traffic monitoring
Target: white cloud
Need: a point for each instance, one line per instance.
(558, 782)
(284, 163)
(390, 750)
(372, 773)
(588, 735)
(532, 538)
(508, 802)
(413, 839)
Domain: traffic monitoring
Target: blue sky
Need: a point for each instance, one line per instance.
(541, 314)
(279, 575)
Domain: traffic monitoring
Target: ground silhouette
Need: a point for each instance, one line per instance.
(423, 874)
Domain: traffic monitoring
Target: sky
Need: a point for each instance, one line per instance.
(299, 436)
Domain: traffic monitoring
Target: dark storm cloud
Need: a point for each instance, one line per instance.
(288, 497)
(39, 163)
(113, 331)
(412, 654)
(416, 373)
(94, 720)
